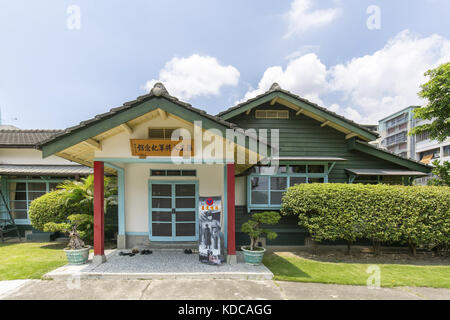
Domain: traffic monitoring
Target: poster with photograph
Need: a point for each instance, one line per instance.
(209, 233)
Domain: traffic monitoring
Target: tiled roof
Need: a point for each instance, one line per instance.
(276, 88)
(38, 170)
(24, 138)
(385, 172)
(157, 91)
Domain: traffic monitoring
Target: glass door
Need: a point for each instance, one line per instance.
(173, 211)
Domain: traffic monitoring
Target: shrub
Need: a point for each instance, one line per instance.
(253, 226)
(70, 228)
(50, 208)
(417, 216)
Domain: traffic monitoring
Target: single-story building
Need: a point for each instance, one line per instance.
(25, 175)
(163, 173)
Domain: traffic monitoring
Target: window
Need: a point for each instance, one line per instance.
(160, 133)
(267, 185)
(23, 192)
(272, 114)
(173, 173)
(422, 136)
(447, 151)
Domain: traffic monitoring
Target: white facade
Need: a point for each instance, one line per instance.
(29, 156)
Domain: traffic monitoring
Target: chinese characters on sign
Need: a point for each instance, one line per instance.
(161, 148)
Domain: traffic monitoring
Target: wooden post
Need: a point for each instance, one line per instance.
(231, 214)
(99, 214)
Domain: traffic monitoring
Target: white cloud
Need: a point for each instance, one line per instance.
(301, 18)
(305, 76)
(371, 87)
(389, 79)
(195, 76)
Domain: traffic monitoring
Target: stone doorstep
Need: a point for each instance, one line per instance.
(68, 272)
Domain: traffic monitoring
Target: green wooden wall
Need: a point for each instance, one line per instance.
(304, 136)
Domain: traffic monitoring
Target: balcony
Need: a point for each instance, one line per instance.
(396, 139)
(396, 122)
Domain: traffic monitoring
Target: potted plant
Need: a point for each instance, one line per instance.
(77, 252)
(253, 254)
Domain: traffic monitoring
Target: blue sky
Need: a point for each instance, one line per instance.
(214, 54)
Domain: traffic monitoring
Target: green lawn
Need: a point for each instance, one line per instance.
(288, 267)
(29, 260)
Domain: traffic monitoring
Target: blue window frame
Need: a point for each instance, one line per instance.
(173, 210)
(21, 192)
(266, 185)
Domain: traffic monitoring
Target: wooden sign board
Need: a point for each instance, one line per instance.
(160, 147)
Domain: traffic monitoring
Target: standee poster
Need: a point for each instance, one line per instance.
(209, 234)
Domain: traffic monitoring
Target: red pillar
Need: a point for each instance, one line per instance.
(99, 228)
(230, 207)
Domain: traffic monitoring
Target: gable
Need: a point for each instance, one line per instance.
(276, 96)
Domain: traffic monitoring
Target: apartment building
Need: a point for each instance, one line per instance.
(394, 130)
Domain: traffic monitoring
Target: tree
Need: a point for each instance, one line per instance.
(253, 226)
(443, 174)
(437, 92)
(71, 197)
(82, 193)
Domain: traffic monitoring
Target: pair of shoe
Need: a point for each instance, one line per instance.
(121, 253)
(146, 251)
(187, 251)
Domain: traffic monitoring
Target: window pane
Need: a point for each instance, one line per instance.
(19, 214)
(316, 169)
(185, 202)
(185, 190)
(297, 180)
(185, 216)
(157, 173)
(189, 173)
(37, 186)
(34, 195)
(297, 169)
(19, 186)
(164, 190)
(162, 203)
(185, 229)
(161, 216)
(53, 185)
(316, 180)
(18, 196)
(18, 205)
(260, 183)
(260, 197)
(275, 197)
(162, 229)
(278, 183)
(173, 173)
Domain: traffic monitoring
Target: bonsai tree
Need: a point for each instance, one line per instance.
(70, 228)
(253, 227)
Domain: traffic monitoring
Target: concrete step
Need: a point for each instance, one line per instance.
(170, 246)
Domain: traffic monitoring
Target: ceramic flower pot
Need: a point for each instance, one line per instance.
(79, 256)
(253, 257)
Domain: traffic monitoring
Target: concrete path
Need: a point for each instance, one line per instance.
(210, 289)
(162, 264)
(9, 285)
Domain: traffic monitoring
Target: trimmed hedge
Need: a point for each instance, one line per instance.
(413, 215)
(50, 207)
